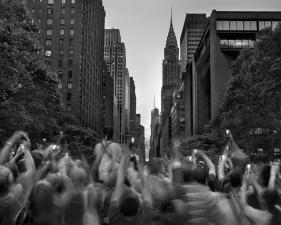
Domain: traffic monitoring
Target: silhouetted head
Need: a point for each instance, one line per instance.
(235, 178)
(108, 133)
(41, 198)
(200, 174)
(129, 203)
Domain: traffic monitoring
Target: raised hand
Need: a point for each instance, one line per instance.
(17, 136)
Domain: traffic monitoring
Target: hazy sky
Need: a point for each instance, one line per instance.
(144, 26)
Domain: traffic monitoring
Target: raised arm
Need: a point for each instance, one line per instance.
(6, 150)
(211, 166)
(273, 173)
(120, 176)
(27, 178)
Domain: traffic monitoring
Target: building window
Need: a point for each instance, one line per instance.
(247, 25)
(50, 2)
(61, 41)
(49, 21)
(61, 52)
(62, 1)
(48, 62)
(240, 25)
(60, 75)
(71, 41)
(253, 25)
(50, 11)
(59, 85)
(62, 21)
(33, 10)
(71, 52)
(72, 1)
(72, 21)
(70, 62)
(49, 32)
(68, 96)
(48, 42)
(233, 25)
(72, 10)
(48, 53)
(62, 11)
(62, 31)
(69, 85)
(71, 32)
(60, 63)
(40, 10)
(225, 25)
(69, 74)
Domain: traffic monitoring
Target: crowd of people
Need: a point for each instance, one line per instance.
(47, 186)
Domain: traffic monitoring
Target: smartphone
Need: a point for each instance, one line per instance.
(223, 157)
(248, 170)
(227, 148)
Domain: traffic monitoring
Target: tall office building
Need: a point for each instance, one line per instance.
(226, 34)
(178, 115)
(133, 104)
(107, 99)
(154, 132)
(72, 36)
(115, 59)
(192, 31)
(170, 83)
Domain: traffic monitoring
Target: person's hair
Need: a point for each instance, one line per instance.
(38, 158)
(5, 180)
(108, 133)
(235, 178)
(78, 176)
(187, 171)
(129, 203)
(200, 174)
(41, 199)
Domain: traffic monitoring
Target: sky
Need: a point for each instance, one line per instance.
(144, 26)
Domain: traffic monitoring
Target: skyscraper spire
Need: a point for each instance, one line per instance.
(171, 39)
(153, 100)
(171, 23)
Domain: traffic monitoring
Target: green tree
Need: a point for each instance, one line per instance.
(252, 100)
(212, 143)
(28, 97)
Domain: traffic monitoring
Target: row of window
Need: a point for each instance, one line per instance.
(50, 2)
(48, 53)
(60, 62)
(50, 31)
(245, 25)
(62, 21)
(236, 43)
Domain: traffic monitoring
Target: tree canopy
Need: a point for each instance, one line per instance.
(252, 100)
(28, 88)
